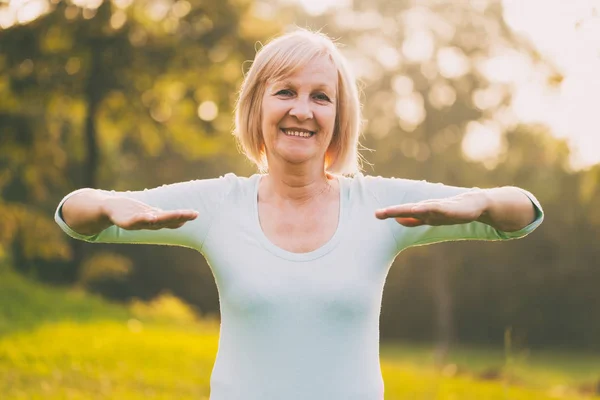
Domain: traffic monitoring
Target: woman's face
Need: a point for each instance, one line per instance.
(298, 114)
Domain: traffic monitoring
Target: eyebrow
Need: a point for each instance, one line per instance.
(320, 86)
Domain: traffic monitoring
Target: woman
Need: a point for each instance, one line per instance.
(301, 251)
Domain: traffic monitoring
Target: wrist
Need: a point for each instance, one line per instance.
(105, 207)
(484, 201)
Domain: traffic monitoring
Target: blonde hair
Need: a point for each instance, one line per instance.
(279, 59)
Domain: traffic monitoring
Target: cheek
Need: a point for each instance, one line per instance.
(327, 119)
(272, 113)
(264, 111)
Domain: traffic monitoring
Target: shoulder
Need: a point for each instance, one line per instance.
(224, 182)
(223, 186)
(379, 183)
(390, 190)
(205, 190)
(197, 185)
(381, 189)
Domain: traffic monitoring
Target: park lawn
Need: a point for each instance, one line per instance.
(107, 359)
(65, 344)
(25, 304)
(538, 368)
(136, 360)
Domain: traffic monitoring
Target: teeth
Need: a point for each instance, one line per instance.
(297, 133)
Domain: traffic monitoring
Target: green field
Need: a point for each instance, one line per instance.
(56, 344)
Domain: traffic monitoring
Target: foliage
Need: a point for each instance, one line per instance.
(54, 350)
(119, 361)
(425, 70)
(104, 266)
(538, 369)
(92, 92)
(165, 307)
(24, 305)
(35, 232)
(125, 95)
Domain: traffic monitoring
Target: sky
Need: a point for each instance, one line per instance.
(567, 33)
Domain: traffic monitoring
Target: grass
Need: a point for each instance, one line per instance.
(107, 360)
(25, 305)
(56, 344)
(555, 374)
(537, 368)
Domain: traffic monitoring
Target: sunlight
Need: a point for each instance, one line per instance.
(418, 46)
(389, 57)
(507, 66)
(25, 11)
(483, 142)
(569, 35)
(565, 32)
(92, 4)
(441, 95)
(452, 62)
(318, 7)
(22, 12)
(208, 111)
(410, 111)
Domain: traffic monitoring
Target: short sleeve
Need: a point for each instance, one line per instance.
(393, 191)
(204, 196)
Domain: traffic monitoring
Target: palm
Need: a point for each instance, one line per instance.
(460, 209)
(134, 215)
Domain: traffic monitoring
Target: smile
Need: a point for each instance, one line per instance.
(297, 132)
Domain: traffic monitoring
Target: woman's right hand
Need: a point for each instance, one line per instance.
(132, 214)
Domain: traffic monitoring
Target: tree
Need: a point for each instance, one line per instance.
(433, 85)
(91, 91)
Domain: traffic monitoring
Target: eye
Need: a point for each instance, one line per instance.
(322, 97)
(284, 92)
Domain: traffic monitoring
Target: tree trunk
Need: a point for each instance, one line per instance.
(93, 94)
(444, 308)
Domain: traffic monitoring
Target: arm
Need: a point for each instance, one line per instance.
(188, 208)
(90, 211)
(83, 212)
(420, 212)
(506, 209)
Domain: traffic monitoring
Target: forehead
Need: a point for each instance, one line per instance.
(320, 71)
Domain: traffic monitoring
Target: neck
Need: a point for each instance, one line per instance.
(296, 183)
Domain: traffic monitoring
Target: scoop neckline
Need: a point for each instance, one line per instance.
(311, 255)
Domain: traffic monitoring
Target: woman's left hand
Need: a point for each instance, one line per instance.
(461, 209)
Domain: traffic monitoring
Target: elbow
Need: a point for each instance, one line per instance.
(509, 210)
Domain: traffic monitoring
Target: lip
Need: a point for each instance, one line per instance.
(299, 130)
(293, 128)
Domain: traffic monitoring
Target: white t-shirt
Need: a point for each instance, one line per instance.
(297, 326)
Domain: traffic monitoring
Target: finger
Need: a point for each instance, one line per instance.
(165, 219)
(187, 215)
(403, 210)
(429, 201)
(176, 216)
(411, 210)
(175, 226)
(430, 207)
(410, 222)
(140, 221)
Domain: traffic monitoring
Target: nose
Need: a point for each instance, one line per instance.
(301, 109)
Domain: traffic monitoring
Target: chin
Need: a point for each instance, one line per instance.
(297, 157)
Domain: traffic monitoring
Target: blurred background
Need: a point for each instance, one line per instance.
(132, 94)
